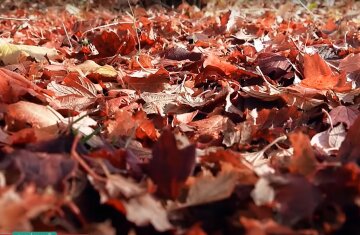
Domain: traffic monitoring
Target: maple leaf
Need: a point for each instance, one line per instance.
(170, 166)
(318, 75)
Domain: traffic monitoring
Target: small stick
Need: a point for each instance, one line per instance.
(134, 26)
(13, 18)
(329, 117)
(302, 4)
(105, 26)
(67, 35)
(81, 161)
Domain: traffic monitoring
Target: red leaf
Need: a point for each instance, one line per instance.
(215, 61)
(350, 63)
(350, 148)
(170, 167)
(153, 83)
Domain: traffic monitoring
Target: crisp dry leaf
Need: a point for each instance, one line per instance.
(152, 83)
(263, 193)
(207, 188)
(96, 72)
(127, 124)
(318, 75)
(13, 86)
(88, 66)
(83, 86)
(170, 167)
(24, 113)
(211, 126)
(184, 117)
(18, 209)
(350, 63)
(273, 65)
(296, 196)
(121, 125)
(118, 185)
(321, 141)
(350, 148)
(11, 53)
(145, 209)
(214, 61)
(42, 169)
(267, 227)
(303, 161)
(178, 53)
(337, 136)
(224, 87)
(343, 114)
(104, 73)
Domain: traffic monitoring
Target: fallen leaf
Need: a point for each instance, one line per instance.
(263, 193)
(24, 113)
(207, 188)
(153, 83)
(142, 210)
(267, 227)
(350, 149)
(170, 167)
(318, 75)
(343, 114)
(10, 53)
(42, 169)
(337, 136)
(178, 53)
(303, 161)
(216, 62)
(350, 63)
(296, 196)
(18, 209)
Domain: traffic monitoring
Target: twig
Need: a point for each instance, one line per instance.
(67, 35)
(311, 13)
(13, 18)
(81, 161)
(261, 152)
(329, 117)
(134, 26)
(138, 61)
(105, 26)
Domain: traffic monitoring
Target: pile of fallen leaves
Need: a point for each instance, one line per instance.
(237, 120)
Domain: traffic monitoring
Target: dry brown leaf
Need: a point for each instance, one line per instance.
(145, 209)
(209, 188)
(23, 113)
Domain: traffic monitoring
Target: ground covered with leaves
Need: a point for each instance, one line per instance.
(240, 119)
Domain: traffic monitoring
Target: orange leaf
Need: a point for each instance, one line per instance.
(215, 61)
(318, 75)
(303, 161)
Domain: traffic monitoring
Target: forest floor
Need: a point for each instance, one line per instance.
(240, 119)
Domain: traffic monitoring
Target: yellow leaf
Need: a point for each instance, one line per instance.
(11, 53)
